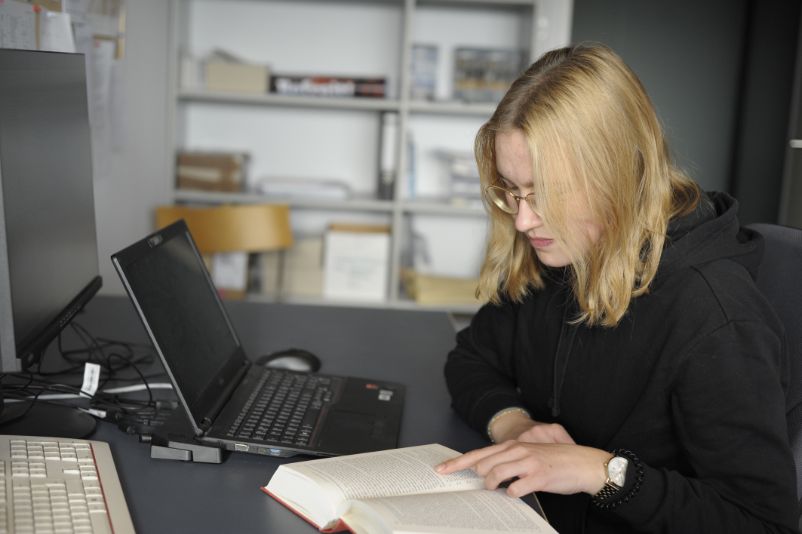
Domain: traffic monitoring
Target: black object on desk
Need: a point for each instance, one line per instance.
(231, 403)
(175, 441)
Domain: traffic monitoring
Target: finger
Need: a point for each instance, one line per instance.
(504, 471)
(512, 453)
(523, 486)
(562, 436)
(469, 459)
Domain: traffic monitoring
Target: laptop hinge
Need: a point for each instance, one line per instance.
(223, 398)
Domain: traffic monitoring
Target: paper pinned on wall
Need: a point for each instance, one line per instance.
(55, 32)
(106, 112)
(17, 26)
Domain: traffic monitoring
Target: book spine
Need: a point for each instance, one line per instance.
(388, 155)
(337, 86)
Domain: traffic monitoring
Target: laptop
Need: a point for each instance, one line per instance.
(231, 403)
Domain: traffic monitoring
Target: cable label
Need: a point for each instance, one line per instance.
(91, 379)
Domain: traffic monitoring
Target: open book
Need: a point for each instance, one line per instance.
(398, 491)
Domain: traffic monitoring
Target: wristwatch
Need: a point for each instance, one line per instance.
(616, 469)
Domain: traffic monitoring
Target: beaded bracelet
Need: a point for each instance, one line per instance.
(501, 413)
(636, 468)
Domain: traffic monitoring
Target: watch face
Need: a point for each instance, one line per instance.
(617, 470)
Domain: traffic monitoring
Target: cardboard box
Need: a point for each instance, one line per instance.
(440, 290)
(212, 171)
(230, 77)
(301, 272)
(355, 262)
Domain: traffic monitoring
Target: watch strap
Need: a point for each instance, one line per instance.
(611, 495)
(608, 491)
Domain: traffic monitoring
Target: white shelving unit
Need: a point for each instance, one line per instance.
(338, 138)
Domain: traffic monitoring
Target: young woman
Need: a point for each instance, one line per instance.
(626, 366)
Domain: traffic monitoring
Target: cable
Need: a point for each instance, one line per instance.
(122, 389)
(114, 357)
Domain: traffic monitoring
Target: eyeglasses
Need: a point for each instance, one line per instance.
(507, 201)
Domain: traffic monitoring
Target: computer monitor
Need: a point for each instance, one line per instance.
(48, 245)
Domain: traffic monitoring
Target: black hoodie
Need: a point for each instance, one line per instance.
(692, 380)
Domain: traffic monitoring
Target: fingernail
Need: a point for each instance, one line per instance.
(439, 467)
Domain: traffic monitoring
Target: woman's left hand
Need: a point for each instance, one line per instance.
(552, 467)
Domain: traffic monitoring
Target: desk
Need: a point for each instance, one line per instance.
(406, 346)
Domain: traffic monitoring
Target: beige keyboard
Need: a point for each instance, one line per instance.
(60, 486)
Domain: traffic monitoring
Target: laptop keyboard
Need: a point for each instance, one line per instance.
(283, 408)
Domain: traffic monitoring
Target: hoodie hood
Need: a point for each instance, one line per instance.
(710, 232)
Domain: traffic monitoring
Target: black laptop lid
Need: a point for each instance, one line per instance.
(168, 283)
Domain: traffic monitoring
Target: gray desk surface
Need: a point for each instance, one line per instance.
(405, 346)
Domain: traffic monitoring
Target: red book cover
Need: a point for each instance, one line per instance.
(340, 526)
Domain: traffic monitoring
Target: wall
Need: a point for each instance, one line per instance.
(720, 73)
(688, 56)
(791, 198)
(134, 179)
(767, 88)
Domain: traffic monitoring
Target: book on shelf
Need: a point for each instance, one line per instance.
(388, 155)
(423, 71)
(328, 85)
(465, 186)
(398, 490)
(485, 74)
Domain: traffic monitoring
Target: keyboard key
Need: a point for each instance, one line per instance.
(284, 404)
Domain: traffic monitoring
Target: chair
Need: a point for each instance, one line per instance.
(780, 280)
(249, 228)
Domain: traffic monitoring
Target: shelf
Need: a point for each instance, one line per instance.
(398, 304)
(342, 136)
(351, 204)
(430, 207)
(478, 3)
(434, 207)
(453, 108)
(366, 104)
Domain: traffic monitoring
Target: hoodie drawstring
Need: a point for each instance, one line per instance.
(564, 346)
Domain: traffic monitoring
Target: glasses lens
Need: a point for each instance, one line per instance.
(502, 199)
(530, 200)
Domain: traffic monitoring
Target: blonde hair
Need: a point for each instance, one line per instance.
(595, 140)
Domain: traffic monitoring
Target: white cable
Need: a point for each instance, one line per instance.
(122, 389)
(139, 387)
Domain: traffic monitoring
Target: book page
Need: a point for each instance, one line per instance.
(477, 512)
(392, 472)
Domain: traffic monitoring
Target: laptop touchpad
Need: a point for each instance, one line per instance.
(348, 432)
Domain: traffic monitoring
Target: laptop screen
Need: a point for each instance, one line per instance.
(178, 303)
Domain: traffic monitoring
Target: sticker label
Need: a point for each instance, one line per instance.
(91, 379)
